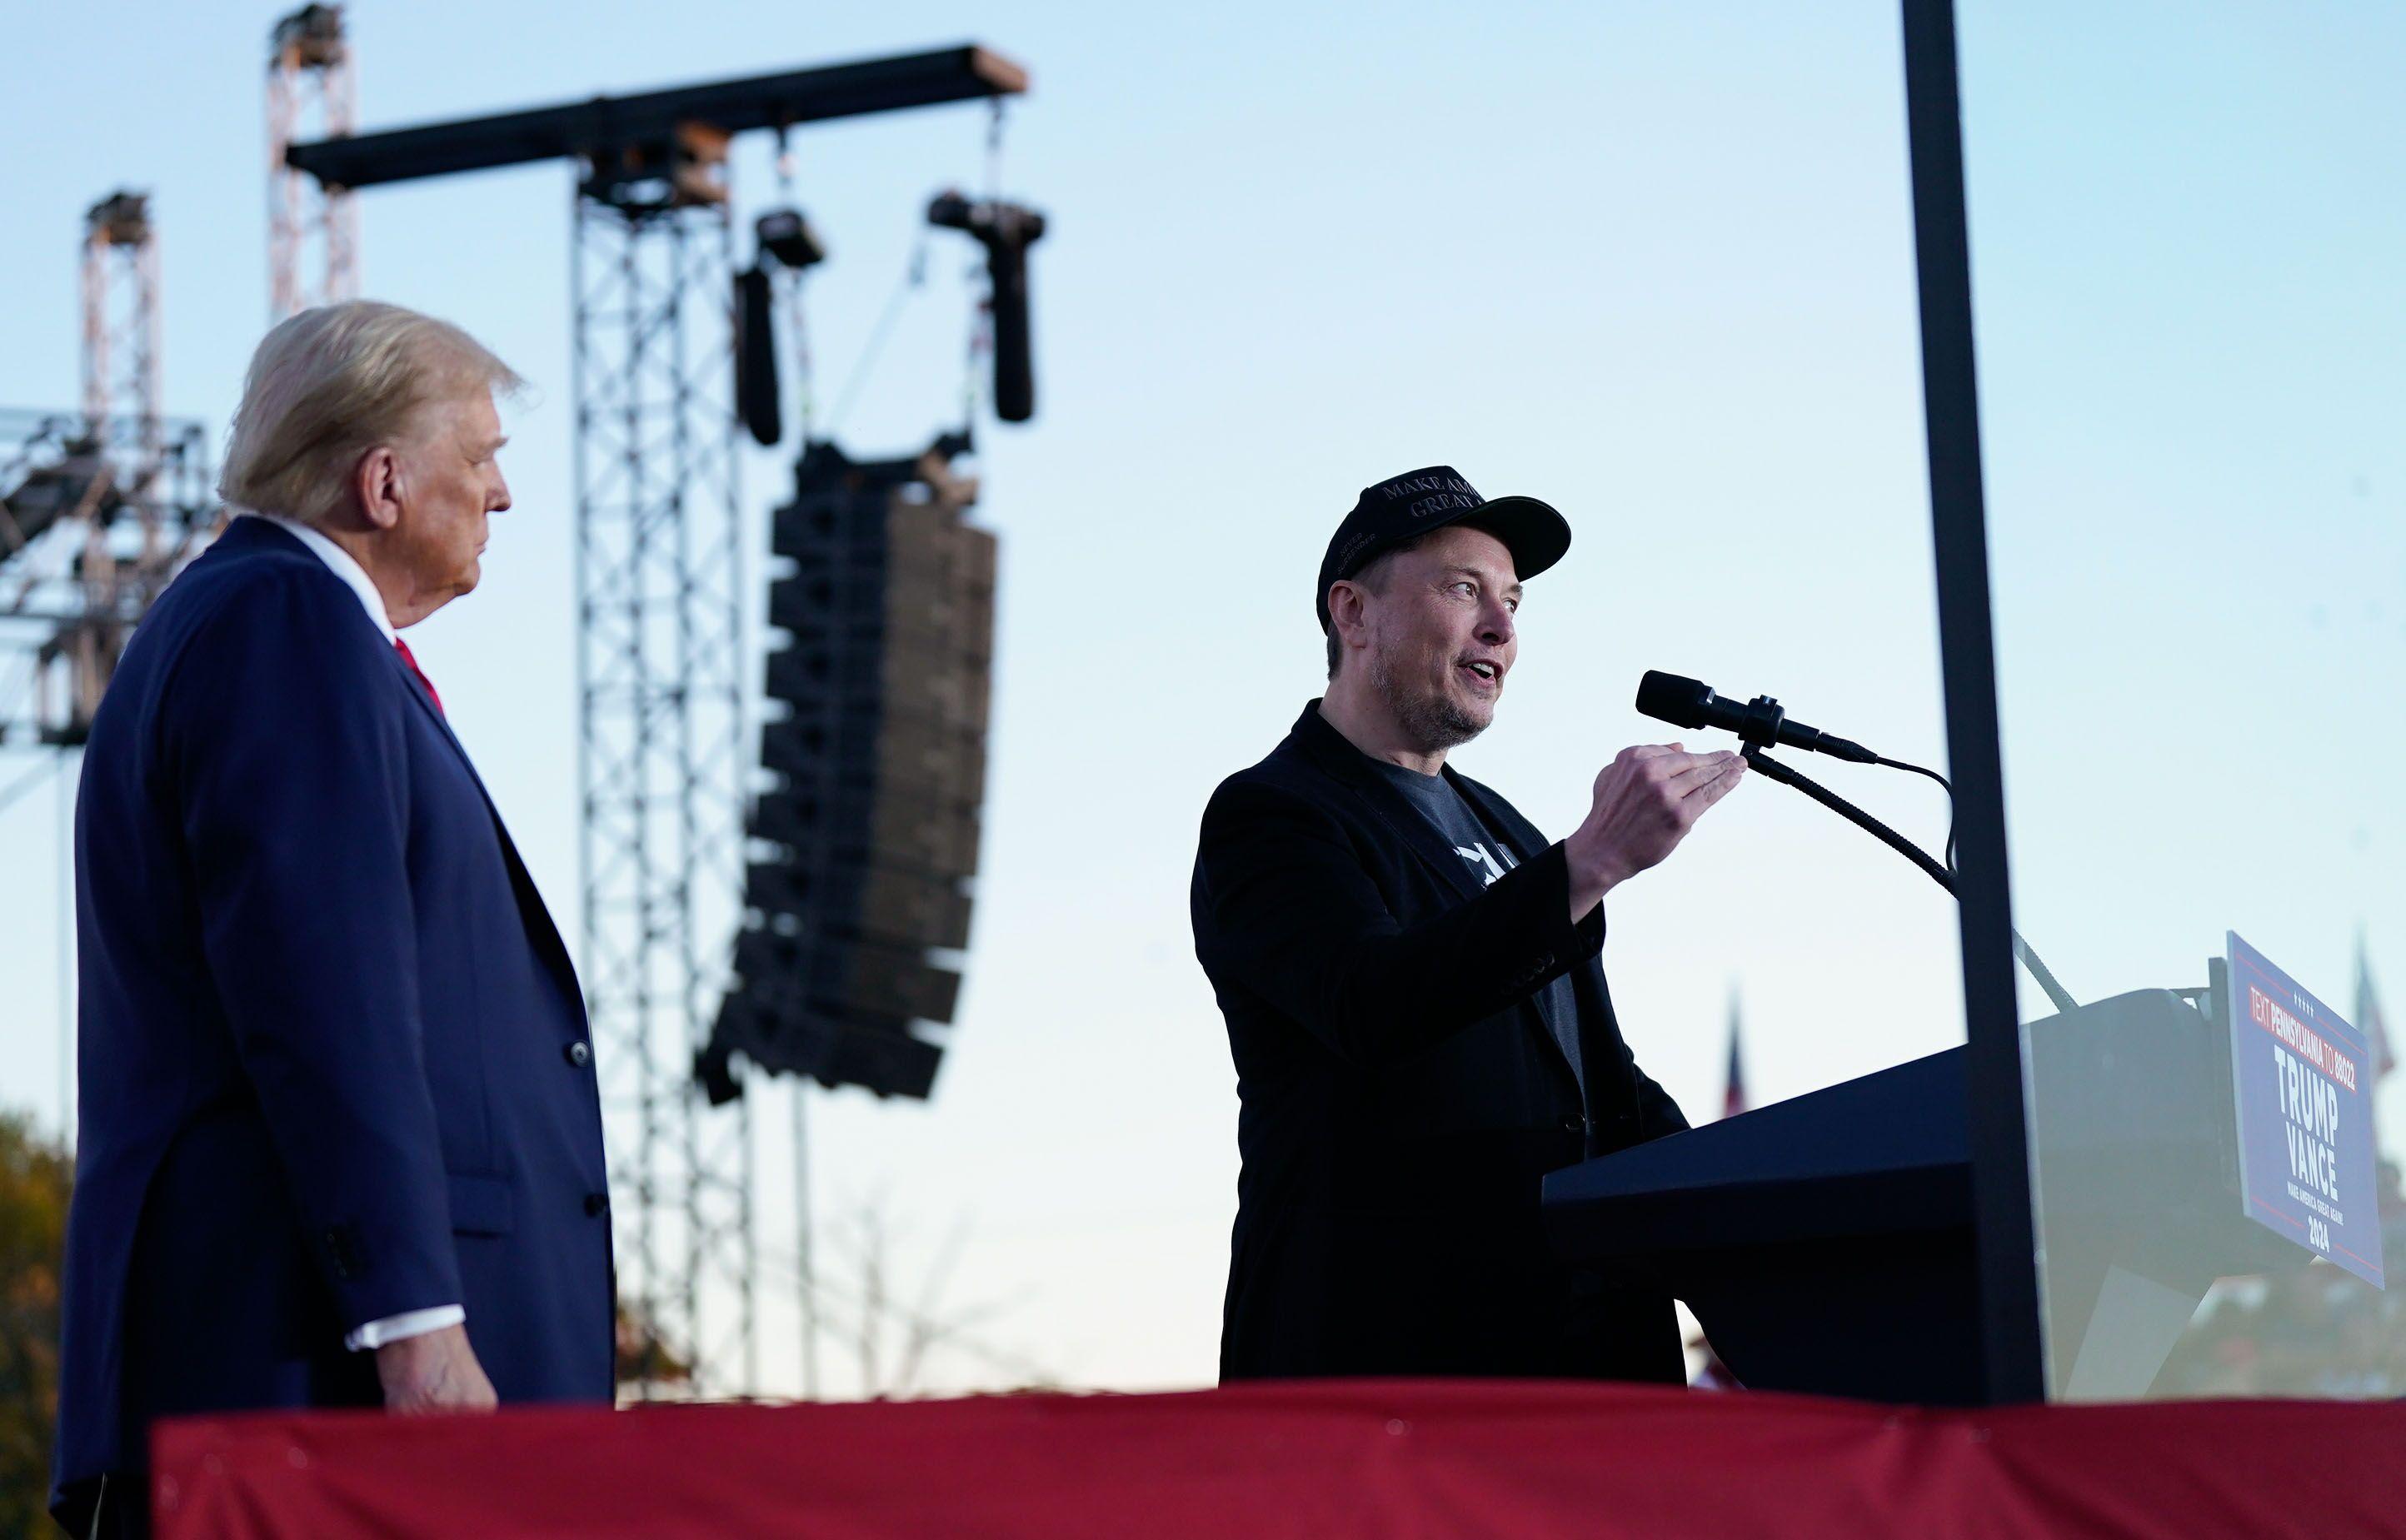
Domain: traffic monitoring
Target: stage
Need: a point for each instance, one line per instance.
(1321, 1460)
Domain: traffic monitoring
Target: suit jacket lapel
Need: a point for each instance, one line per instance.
(1341, 758)
(538, 916)
(243, 536)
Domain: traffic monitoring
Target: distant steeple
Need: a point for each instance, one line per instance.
(1733, 1095)
(2368, 1012)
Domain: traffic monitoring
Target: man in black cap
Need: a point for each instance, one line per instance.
(1409, 972)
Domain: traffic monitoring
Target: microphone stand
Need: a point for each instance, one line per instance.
(1787, 775)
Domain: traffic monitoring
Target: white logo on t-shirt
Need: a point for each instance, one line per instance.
(1481, 857)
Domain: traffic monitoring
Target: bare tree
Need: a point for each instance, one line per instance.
(895, 1329)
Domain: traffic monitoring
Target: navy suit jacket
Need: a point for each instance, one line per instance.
(334, 1065)
(1401, 1096)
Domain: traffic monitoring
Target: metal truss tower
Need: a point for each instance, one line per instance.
(662, 745)
(312, 246)
(120, 309)
(98, 507)
(96, 516)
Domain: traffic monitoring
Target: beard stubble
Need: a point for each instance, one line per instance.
(1430, 719)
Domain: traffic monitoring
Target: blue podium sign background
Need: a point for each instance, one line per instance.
(2301, 1077)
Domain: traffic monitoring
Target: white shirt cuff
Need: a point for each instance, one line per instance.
(409, 1323)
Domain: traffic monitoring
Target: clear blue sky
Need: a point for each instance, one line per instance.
(1651, 262)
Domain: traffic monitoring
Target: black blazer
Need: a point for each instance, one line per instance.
(1401, 1096)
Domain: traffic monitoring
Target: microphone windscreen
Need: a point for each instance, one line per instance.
(1668, 697)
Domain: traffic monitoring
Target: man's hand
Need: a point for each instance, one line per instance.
(435, 1372)
(1646, 801)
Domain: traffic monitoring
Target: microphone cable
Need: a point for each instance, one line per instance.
(1917, 769)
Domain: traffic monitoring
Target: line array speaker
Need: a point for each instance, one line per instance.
(865, 837)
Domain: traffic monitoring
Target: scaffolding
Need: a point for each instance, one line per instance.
(96, 513)
(661, 686)
(100, 505)
(313, 249)
(121, 308)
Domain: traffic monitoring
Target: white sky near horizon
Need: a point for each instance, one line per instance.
(1652, 262)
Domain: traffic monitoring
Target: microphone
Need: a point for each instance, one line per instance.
(1761, 722)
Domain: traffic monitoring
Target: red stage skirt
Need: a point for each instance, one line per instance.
(1321, 1460)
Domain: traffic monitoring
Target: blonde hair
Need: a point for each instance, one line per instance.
(329, 385)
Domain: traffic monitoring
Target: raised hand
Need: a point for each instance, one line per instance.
(1646, 801)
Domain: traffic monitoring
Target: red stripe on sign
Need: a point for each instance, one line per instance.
(2281, 983)
(2301, 1040)
(2295, 1224)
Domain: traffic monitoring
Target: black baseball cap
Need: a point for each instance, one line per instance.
(1402, 508)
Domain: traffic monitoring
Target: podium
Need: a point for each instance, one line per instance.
(1826, 1243)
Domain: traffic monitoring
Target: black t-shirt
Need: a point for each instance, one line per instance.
(1488, 855)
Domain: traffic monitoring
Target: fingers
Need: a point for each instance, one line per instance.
(1646, 801)
(436, 1371)
(1662, 758)
(1719, 786)
(1677, 773)
(1696, 771)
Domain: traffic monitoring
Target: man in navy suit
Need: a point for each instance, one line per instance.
(340, 1140)
(1418, 1022)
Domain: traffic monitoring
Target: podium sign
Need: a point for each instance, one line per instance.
(2301, 1080)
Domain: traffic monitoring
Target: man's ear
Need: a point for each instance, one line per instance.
(1345, 606)
(375, 487)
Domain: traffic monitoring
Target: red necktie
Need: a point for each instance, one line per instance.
(418, 674)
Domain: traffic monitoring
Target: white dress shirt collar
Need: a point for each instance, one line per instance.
(341, 563)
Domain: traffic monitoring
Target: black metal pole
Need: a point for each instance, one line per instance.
(2000, 1187)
